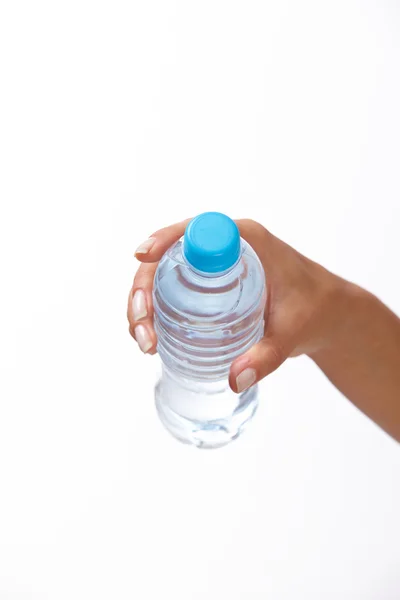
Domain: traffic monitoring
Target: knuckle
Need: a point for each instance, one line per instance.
(253, 225)
(249, 223)
(276, 355)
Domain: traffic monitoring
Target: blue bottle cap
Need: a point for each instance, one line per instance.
(211, 243)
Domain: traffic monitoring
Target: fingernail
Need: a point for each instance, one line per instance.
(139, 309)
(143, 338)
(145, 246)
(245, 379)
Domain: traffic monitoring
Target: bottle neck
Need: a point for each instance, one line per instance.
(218, 274)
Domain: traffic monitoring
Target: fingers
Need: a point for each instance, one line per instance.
(140, 301)
(261, 360)
(140, 308)
(156, 245)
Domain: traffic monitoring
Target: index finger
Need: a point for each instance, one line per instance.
(158, 243)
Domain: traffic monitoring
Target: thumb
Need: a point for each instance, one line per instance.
(258, 362)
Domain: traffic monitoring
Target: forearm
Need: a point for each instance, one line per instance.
(362, 358)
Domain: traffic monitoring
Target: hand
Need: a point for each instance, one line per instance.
(300, 313)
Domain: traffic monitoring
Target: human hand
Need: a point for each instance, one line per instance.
(300, 312)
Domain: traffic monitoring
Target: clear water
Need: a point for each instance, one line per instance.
(203, 322)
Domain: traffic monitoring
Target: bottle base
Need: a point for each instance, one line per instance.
(205, 432)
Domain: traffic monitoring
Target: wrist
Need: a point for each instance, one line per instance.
(341, 317)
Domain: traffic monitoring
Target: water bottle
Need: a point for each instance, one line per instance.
(209, 300)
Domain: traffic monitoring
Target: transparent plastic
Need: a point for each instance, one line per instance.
(203, 322)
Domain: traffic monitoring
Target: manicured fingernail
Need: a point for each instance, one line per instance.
(245, 379)
(143, 338)
(145, 246)
(139, 309)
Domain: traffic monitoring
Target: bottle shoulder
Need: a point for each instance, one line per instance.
(193, 299)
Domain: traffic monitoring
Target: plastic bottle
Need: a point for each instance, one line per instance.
(209, 300)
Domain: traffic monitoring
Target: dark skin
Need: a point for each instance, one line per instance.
(350, 334)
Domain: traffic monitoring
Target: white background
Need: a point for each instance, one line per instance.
(117, 118)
